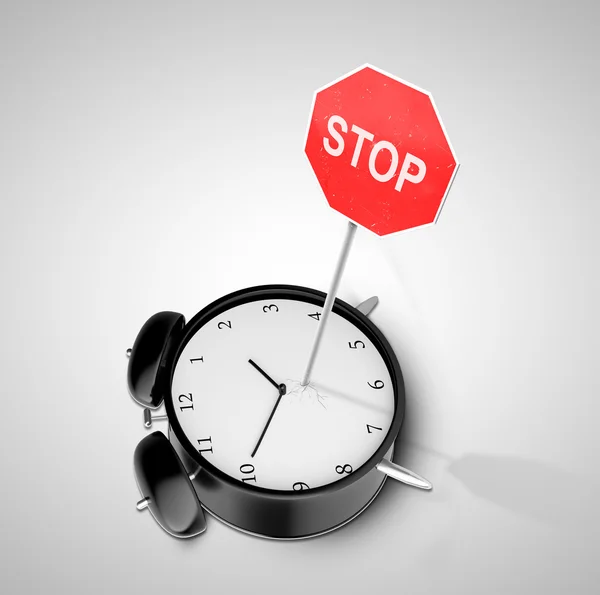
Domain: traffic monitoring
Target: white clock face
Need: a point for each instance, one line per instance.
(315, 435)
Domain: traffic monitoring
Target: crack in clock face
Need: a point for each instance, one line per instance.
(304, 395)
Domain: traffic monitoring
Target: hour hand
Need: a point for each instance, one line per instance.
(279, 387)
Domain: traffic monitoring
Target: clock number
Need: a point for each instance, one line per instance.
(209, 439)
(197, 359)
(345, 469)
(270, 307)
(378, 384)
(374, 427)
(299, 486)
(355, 346)
(247, 469)
(225, 324)
(189, 399)
(316, 316)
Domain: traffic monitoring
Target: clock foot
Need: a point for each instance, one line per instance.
(404, 475)
(367, 306)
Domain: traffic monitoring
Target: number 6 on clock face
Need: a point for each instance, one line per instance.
(309, 438)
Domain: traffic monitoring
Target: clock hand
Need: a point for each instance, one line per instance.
(282, 390)
(277, 386)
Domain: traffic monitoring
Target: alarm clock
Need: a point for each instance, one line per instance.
(247, 441)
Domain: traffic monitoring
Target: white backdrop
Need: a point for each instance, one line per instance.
(152, 158)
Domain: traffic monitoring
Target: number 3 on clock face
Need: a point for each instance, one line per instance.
(221, 406)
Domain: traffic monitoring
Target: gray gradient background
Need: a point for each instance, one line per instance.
(152, 158)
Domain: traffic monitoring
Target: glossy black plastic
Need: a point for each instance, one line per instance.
(147, 359)
(163, 479)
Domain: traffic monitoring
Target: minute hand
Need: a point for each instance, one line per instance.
(281, 393)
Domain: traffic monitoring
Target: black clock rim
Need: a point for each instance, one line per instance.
(340, 307)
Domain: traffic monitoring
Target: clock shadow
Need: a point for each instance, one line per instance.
(537, 490)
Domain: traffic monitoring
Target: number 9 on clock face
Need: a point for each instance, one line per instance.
(237, 406)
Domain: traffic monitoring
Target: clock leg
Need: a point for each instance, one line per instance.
(404, 475)
(367, 306)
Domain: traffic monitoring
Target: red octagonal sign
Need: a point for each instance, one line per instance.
(379, 151)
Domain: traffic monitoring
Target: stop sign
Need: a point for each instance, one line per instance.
(379, 151)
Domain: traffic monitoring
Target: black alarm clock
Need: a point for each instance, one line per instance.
(247, 441)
